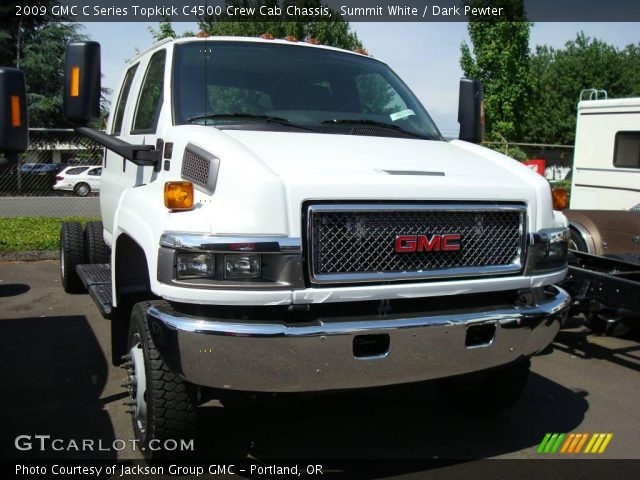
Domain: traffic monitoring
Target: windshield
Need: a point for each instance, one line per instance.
(274, 86)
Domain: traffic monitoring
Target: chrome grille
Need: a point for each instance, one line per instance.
(351, 243)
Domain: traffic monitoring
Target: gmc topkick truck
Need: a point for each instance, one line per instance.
(281, 216)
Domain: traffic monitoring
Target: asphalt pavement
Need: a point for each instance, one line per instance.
(56, 207)
(56, 379)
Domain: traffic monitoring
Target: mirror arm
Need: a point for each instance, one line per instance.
(141, 155)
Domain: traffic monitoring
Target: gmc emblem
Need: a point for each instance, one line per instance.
(425, 243)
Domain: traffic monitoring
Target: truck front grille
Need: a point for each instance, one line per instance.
(359, 243)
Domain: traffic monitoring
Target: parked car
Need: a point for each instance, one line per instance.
(80, 180)
(42, 168)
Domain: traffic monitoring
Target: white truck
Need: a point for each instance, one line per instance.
(281, 216)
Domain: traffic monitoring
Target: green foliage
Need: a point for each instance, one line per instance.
(512, 151)
(14, 30)
(42, 40)
(165, 30)
(43, 65)
(558, 77)
(23, 234)
(499, 57)
(335, 32)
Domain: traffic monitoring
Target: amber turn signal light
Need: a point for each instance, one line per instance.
(75, 81)
(178, 195)
(560, 198)
(16, 120)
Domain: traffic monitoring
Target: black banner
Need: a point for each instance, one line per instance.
(323, 469)
(327, 10)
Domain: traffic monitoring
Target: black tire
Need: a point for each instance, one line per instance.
(82, 189)
(577, 242)
(71, 255)
(488, 391)
(95, 250)
(171, 407)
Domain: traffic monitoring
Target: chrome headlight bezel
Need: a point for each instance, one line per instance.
(548, 250)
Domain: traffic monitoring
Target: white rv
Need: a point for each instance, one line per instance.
(606, 172)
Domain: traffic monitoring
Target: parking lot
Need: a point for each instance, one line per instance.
(56, 379)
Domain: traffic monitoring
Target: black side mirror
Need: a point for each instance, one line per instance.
(471, 111)
(14, 128)
(82, 82)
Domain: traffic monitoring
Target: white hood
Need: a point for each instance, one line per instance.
(342, 167)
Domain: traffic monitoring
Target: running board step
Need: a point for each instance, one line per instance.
(97, 280)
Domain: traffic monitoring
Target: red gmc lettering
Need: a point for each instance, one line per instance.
(451, 242)
(406, 243)
(424, 243)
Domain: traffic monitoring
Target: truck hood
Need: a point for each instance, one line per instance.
(268, 176)
(301, 157)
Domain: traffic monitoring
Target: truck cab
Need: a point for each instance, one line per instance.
(280, 216)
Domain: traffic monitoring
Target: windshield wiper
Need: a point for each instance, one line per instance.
(374, 123)
(248, 116)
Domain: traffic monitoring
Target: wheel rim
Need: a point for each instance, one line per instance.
(83, 190)
(62, 261)
(137, 381)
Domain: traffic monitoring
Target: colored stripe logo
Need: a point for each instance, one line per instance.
(574, 443)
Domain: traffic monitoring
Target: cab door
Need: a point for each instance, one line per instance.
(148, 117)
(112, 181)
(137, 119)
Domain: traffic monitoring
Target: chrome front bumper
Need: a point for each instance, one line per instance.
(269, 357)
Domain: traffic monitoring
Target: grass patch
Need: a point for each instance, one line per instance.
(23, 234)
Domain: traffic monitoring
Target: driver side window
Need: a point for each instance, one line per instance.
(151, 93)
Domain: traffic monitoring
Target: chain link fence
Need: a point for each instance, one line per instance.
(28, 189)
(555, 160)
(50, 152)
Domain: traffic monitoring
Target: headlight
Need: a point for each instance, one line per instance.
(548, 249)
(195, 265)
(238, 267)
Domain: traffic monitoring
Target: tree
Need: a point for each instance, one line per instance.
(333, 31)
(500, 59)
(36, 44)
(17, 31)
(558, 77)
(43, 65)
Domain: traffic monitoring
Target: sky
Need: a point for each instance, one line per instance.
(425, 55)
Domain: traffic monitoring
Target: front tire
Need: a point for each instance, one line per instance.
(163, 404)
(71, 255)
(488, 391)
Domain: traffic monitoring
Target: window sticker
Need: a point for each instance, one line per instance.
(404, 113)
